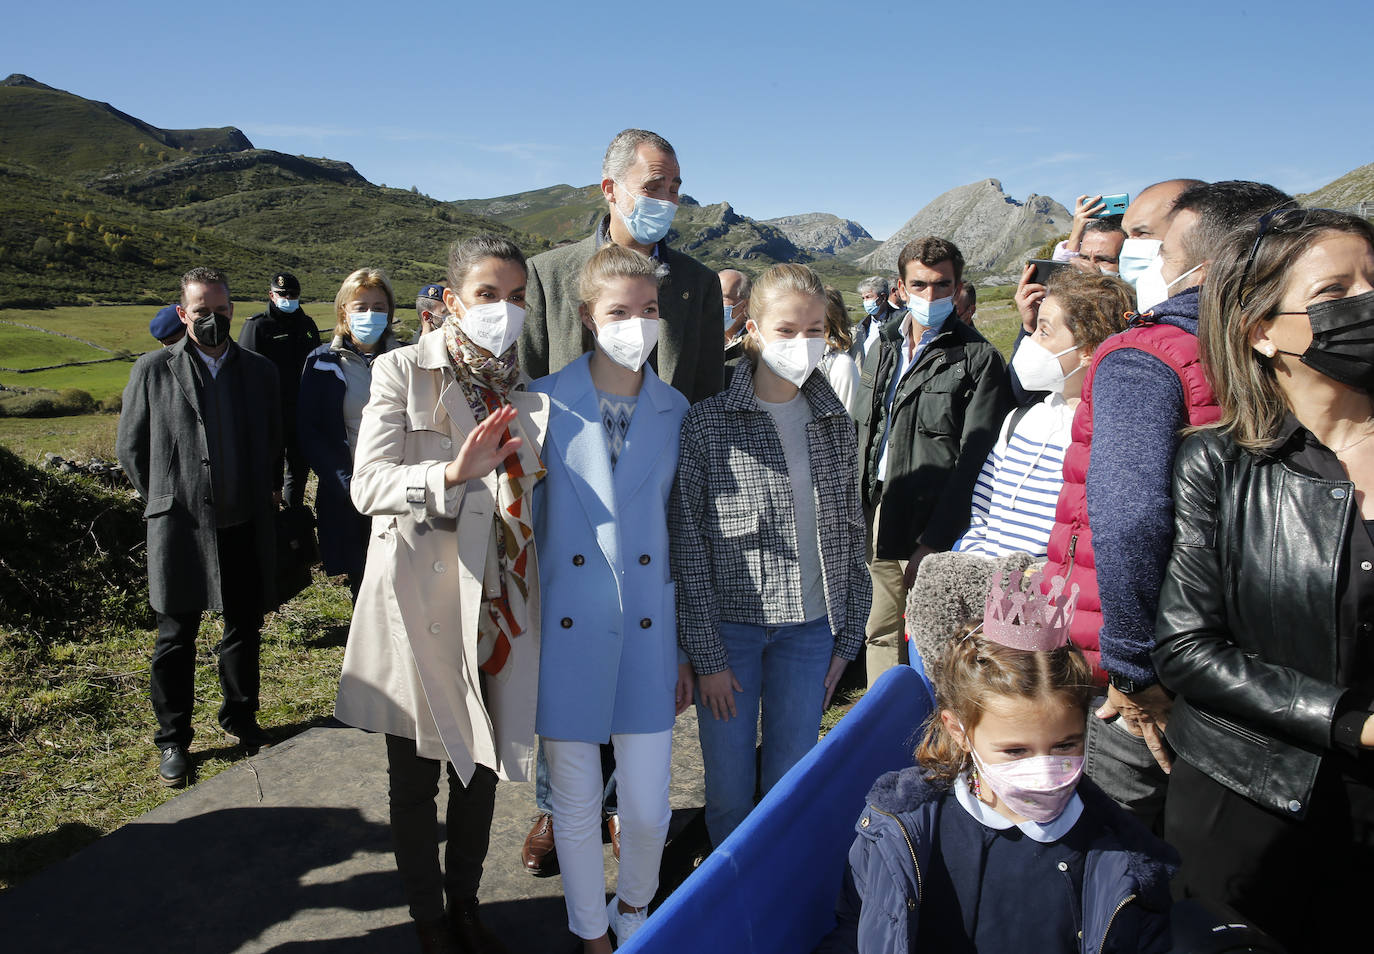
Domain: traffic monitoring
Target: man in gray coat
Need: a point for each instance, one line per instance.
(199, 435)
(640, 179)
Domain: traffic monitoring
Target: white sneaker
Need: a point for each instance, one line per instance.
(623, 925)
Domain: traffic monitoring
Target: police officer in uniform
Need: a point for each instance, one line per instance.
(285, 335)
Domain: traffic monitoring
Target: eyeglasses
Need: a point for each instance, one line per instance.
(1277, 220)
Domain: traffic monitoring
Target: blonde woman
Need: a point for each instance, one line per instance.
(768, 547)
(443, 652)
(836, 364)
(335, 386)
(609, 669)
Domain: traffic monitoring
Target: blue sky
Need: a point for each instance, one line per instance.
(864, 109)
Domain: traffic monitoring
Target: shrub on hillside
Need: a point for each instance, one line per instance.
(71, 554)
(48, 404)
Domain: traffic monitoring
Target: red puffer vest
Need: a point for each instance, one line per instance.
(1071, 543)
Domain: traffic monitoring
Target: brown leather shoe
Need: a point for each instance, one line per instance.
(613, 828)
(539, 855)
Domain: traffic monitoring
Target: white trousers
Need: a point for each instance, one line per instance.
(642, 763)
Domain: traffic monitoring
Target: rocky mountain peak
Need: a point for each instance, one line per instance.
(992, 229)
(819, 232)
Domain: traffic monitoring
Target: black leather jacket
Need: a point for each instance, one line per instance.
(1248, 619)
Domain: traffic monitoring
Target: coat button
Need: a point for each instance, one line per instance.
(439, 566)
(1338, 493)
(434, 628)
(578, 559)
(863, 823)
(1295, 806)
(566, 622)
(645, 623)
(1365, 565)
(446, 443)
(644, 559)
(1063, 866)
(205, 462)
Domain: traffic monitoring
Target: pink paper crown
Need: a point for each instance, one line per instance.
(1026, 619)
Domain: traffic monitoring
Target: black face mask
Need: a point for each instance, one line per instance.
(211, 330)
(1343, 340)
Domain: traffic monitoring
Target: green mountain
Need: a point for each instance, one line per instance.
(52, 129)
(101, 206)
(1353, 192)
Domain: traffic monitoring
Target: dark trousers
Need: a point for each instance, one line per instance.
(1122, 766)
(1303, 881)
(174, 653)
(414, 782)
(296, 470)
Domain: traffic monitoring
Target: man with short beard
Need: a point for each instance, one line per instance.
(199, 435)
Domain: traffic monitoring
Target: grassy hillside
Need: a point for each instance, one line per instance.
(100, 206)
(1347, 192)
(557, 213)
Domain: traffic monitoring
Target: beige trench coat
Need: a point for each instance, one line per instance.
(410, 668)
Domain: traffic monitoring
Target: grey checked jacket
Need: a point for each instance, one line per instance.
(732, 529)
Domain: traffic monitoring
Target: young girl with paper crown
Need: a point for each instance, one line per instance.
(993, 841)
(609, 669)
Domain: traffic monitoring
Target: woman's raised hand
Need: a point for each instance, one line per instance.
(482, 450)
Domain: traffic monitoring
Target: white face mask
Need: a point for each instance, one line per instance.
(629, 341)
(493, 325)
(793, 359)
(1152, 289)
(1136, 256)
(1039, 370)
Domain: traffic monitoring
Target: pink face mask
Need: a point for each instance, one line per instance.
(1038, 787)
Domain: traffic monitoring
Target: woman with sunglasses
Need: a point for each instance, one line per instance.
(1266, 620)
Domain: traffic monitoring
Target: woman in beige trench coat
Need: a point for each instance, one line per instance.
(443, 650)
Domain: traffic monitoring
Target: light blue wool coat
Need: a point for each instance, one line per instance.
(609, 653)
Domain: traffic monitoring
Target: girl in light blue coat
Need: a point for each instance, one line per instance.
(609, 669)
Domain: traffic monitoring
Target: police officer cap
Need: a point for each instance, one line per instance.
(284, 283)
(165, 323)
(432, 292)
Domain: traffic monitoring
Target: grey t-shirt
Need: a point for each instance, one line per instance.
(791, 419)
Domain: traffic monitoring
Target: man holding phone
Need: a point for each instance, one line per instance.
(1096, 237)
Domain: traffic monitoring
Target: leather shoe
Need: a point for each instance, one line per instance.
(250, 735)
(613, 829)
(538, 852)
(436, 937)
(174, 768)
(473, 936)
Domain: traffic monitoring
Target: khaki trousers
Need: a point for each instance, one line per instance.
(884, 638)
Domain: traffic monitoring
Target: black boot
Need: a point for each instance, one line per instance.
(436, 937)
(473, 937)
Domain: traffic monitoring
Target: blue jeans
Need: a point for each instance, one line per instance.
(782, 670)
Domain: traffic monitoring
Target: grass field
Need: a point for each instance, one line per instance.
(75, 437)
(26, 348)
(116, 327)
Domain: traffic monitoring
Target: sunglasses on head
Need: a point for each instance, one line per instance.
(1275, 221)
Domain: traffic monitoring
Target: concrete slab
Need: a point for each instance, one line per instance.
(290, 852)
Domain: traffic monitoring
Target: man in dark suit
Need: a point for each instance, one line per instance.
(199, 436)
(640, 179)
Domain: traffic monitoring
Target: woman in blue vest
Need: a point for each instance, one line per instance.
(609, 667)
(335, 385)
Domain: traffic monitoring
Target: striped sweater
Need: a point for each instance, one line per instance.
(1018, 488)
